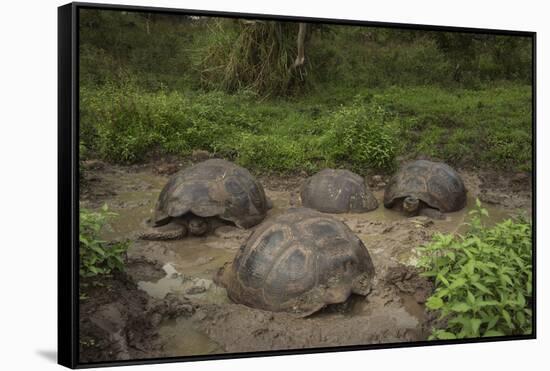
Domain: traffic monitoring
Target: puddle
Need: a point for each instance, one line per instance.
(183, 338)
(453, 223)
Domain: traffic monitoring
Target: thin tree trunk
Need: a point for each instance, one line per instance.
(300, 43)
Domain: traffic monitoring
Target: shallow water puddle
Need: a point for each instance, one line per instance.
(182, 338)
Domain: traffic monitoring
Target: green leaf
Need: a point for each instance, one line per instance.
(474, 324)
(492, 322)
(505, 278)
(458, 283)
(445, 335)
(482, 288)
(434, 303)
(471, 298)
(507, 318)
(441, 278)
(521, 299)
(485, 303)
(461, 307)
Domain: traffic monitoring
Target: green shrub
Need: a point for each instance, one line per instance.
(363, 135)
(98, 257)
(364, 132)
(279, 153)
(483, 280)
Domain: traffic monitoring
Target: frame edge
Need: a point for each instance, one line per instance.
(67, 257)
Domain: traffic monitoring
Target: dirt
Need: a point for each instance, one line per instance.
(118, 321)
(181, 272)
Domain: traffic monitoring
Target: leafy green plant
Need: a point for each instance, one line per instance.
(362, 135)
(97, 257)
(483, 279)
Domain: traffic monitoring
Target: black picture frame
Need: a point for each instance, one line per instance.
(68, 181)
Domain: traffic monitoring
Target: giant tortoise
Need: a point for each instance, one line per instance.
(337, 191)
(425, 187)
(298, 262)
(211, 192)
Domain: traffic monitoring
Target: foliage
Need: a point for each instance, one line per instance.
(362, 135)
(464, 127)
(156, 84)
(483, 279)
(251, 55)
(182, 52)
(98, 257)
(366, 132)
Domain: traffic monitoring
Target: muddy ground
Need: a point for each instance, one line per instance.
(166, 303)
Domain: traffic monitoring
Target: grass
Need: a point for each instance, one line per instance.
(474, 128)
(366, 97)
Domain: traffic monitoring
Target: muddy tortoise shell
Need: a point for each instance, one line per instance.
(298, 262)
(434, 183)
(337, 191)
(213, 188)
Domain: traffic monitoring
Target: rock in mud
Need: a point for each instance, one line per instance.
(165, 169)
(173, 306)
(197, 286)
(407, 280)
(143, 269)
(112, 322)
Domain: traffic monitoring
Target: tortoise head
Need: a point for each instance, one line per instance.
(411, 205)
(198, 226)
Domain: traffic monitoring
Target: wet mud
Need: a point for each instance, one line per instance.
(188, 314)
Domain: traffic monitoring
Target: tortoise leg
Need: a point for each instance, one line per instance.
(432, 213)
(170, 231)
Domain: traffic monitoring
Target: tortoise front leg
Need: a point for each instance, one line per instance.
(174, 230)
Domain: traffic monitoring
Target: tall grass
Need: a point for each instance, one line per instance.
(250, 55)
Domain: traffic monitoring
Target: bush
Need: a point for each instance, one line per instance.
(363, 135)
(362, 132)
(483, 280)
(98, 257)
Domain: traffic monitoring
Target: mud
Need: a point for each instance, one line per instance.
(207, 322)
(118, 321)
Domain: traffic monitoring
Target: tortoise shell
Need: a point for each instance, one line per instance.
(337, 191)
(434, 183)
(298, 262)
(213, 188)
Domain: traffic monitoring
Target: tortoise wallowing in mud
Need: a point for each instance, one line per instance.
(425, 188)
(199, 198)
(337, 191)
(298, 262)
